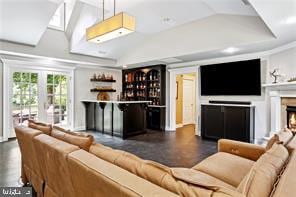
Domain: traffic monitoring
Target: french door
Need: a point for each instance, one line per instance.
(40, 95)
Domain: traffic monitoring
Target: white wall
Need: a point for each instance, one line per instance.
(260, 102)
(286, 62)
(82, 91)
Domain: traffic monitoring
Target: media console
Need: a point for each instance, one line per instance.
(229, 121)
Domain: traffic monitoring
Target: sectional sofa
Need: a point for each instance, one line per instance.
(58, 162)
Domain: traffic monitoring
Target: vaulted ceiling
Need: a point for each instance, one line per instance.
(184, 29)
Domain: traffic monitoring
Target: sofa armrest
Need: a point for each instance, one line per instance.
(242, 149)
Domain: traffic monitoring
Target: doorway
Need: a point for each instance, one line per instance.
(186, 100)
(41, 94)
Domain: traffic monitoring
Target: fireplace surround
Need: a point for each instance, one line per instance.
(291, 118)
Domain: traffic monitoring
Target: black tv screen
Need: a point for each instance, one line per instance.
(233, 78)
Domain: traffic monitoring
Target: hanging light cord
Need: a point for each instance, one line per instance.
(114, 8)
(114, 11)
(103, 9)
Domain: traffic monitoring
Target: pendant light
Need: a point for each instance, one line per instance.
(116, 26)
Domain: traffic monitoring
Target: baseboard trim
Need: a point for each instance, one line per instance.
(167, 128)
(2, 139)
(79, 128)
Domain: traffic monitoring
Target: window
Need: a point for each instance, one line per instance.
(24, 97)
(57, 96)
(58, 20)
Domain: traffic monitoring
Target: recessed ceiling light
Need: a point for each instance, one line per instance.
(168, 21)
(290, 20)
(102, 52)
(230, 50)
(171, 60)
(124, 66)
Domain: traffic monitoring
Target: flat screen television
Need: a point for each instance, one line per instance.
(233, 78)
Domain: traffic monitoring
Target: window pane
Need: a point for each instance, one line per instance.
(64, 89)
(25, 88)
(34, 112)
(25, 100)
(50, 79)
(16, 120)
(16, 88)
(34, 78)
(57, 100)
(33, 100)
(49, 89)
(16, 100)
(34, 89)
(25, 113)
(57, 79)
(63, 79)
(16, 77)
(63, 120)
(63, 100)
(57, 89)
(26, 77)
(50, 100)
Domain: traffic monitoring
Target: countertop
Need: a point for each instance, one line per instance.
(117, 102)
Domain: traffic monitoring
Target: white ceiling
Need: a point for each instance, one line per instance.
(151, 18)
(185, 29)
(25, 21)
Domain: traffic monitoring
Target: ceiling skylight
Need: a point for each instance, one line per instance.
(58, 19)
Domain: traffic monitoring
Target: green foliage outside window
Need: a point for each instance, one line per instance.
(25, 89)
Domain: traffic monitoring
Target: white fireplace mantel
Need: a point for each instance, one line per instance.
(280, 86)
(276, 93)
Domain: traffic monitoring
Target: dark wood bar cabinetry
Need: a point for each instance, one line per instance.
(117, 118)
(236, 122)
(147, 84)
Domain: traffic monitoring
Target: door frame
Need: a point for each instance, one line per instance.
(172, 99)
(193, 79)
(11, 65)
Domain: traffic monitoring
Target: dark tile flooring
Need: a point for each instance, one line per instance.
(175, 149)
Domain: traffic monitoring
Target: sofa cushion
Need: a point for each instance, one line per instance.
(101, 178)
(32, 171)
(287, 181)
(45, 128)
(226, 167)
(120, 158)
(198, 178)
(291, 146)
(156, 173)
(80, 139)
(52, 156)
(105, 152)
(261, 179)
(282, 137)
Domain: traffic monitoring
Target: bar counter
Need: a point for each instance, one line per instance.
(118, 118)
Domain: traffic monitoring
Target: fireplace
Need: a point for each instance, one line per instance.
(291, 118)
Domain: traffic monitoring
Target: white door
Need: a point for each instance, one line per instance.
(188, 101)
(25, 97)
(56, 105)
(39, 95)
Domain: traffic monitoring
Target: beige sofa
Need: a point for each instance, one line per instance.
(63, 163)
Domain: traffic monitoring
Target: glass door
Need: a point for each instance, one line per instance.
(24, 97)
(57, 99)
